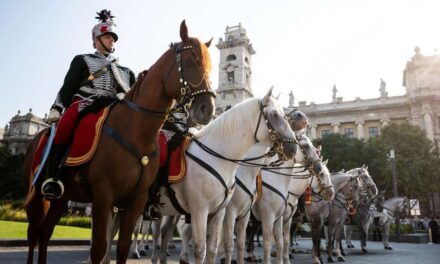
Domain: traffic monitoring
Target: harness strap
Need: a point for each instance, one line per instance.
(138, 108)
(133, 150)
(206, 166)
(246, 190)
(174, 201)
(268, 186)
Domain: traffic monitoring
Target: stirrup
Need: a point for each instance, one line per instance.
(52, 195)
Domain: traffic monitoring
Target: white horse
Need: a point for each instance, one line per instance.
(270, 208)
(392, 206)
(303, 178)
(204, 192)
(347, 190)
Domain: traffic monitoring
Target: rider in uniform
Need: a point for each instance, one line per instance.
(89, 77)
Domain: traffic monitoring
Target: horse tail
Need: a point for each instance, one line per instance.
(27, 168)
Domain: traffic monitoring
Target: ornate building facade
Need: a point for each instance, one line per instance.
(21, 130)
(364, 118)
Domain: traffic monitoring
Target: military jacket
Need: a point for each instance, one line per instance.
(93, 75)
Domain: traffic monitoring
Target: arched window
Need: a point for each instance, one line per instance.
(246, 60)
(231, 57)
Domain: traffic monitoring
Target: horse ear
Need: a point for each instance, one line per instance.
(366, 168)
(184, 32)
(325, 162)
(278, 96)
(266, 98)
(363, 166)
(207, 44)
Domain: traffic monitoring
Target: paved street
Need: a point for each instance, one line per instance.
(402, 253)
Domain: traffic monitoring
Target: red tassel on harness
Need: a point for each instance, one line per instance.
(308, 196)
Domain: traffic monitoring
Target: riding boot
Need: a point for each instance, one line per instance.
(152, 209)
(53, 188)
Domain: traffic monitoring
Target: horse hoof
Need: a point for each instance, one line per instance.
(341, 259)
(365, 251)
(350, 246)
(168, 253)
(135, 255)
(181, 261)
(389, 248)
(222, 261)
(233, 261)
(343, 253)
(329, 259)
(290, 256)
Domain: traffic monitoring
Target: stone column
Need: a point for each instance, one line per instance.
(313, 131)
(336, 127)
(427, 120)
(360, 129)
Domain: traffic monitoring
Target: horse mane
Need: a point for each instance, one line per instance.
(135, 88)
(230, 120)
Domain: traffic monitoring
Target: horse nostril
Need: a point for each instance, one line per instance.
(203, 108)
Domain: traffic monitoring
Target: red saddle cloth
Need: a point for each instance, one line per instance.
(177, 161)
(85, 140)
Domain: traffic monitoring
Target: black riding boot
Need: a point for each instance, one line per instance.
(52, 188)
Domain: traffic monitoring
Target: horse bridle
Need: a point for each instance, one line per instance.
(277, 140)
(365, 184)
(186, 87)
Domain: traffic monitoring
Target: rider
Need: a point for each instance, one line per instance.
(89, 77)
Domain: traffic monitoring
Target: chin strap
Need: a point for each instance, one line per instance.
(106, 49)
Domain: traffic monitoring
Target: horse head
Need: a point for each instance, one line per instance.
(277, 129)
(366, 181)
(297, 119)
(187, 79)
(310, 158)
(379, 200)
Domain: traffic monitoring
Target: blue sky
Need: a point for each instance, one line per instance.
(305, 46)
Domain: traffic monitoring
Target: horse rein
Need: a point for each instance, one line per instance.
(187, 87)
(277, 140)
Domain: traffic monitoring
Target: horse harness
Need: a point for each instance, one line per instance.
(185, 104)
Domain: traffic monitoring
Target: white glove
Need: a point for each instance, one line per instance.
(54, 116)
(120, 96)
(193, 130)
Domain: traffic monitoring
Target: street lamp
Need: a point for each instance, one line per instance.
(392, 157)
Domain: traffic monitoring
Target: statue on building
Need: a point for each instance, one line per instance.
(334, 93)
(383, 93)
(291, 99)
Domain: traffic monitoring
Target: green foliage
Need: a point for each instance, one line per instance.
(11, 183)
(417, 158)
(16, 230)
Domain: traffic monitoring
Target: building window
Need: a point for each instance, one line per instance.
(349, 132)
(373, 131)
(231, 77)
(325, 132)
(231, 57)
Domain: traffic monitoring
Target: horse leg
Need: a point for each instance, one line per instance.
(316, 239)
(167, 231)
(56, 210)
(155, 230)
(267, 226)
(102, 222)
(279, 239)
(364, 236)
(134, 245)
(348, 230)
(286, 239)
(198, 226)
(338, 232)
(228, 237)
(128, 220)
(113, 224)
(330, 242)
(240, 228)
(213, 231)
(386, 236)
(36, 211)
(185, 234)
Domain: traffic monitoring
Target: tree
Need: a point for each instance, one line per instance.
(11, 180)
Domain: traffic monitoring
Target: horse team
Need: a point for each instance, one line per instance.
(255, 143)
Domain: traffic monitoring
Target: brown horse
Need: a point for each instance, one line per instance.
(124, 166)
